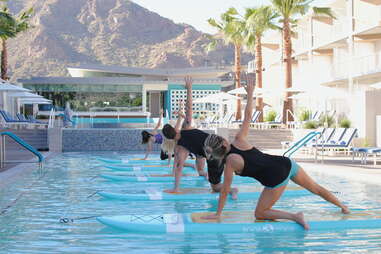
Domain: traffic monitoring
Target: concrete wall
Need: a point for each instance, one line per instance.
(84, 140)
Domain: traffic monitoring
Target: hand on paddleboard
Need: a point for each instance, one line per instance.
(172, 191)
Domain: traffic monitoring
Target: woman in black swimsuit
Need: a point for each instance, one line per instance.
(191, 140)
(273, 172)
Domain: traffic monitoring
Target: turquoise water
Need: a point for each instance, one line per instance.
(65, 188)
(112, 120)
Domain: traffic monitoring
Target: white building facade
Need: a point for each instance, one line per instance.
(344, 53)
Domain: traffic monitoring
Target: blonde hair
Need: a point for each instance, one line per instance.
(214, 147)
(168, 145)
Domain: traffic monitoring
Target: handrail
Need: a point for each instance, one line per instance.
(301, 143)
(52, 117)
(19, 141)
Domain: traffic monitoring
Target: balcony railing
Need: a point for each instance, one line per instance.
(337, 31)
(361, 66)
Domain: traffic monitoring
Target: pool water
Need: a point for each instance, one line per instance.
(82, 120)
(37, 201)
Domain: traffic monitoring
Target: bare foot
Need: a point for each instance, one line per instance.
(233, 193)
(299, 218)
(345, 210)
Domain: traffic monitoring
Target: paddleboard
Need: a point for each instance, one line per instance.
(239, 222)
(131, 162)
(163, 178)
(194, 194)
(144, 168)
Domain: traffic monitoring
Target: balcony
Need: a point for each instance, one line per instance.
(366, 17)
(362, 66)
(333, 34)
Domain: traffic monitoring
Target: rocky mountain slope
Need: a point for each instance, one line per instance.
(107, 32)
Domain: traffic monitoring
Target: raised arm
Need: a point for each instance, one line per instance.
(180, 117)
(159, 122)
(188, 106)
(243, 132)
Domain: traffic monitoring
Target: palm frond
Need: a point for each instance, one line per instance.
(324, 11)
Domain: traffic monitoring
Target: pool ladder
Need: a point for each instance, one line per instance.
(22, 143)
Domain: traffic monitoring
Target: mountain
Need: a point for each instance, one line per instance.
(106, 32)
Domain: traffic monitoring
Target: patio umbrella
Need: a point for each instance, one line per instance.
(35, 101)
(7, 87)
(377, 86)
(218, 98)
(322, 94)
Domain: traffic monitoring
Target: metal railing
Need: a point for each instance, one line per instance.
(22, 143)
(52, 118)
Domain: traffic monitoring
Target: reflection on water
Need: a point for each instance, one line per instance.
(67, 190)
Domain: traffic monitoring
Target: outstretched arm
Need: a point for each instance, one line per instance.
(243, 132)
(158, 123)
(224, 191)
(189, 103)
(180, 117)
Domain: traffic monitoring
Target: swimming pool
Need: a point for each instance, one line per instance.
(84, 120)
(66, 187)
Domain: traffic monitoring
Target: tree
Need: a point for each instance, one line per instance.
(258, 21)
(290, 11)
(10, 26)
(231, 28)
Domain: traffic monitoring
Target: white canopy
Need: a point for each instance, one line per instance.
(377, 86)
(6, 87)
(25, 95)
(218, 98)
(35, 101)
(257, 91)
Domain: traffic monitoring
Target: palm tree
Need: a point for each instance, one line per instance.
(290, 11)
(11, 27)
(231, 28)
(258, 21)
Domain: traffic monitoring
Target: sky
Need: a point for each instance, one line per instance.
(197, 12)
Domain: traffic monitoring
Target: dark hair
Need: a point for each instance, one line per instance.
(145, 137)
(169, 132)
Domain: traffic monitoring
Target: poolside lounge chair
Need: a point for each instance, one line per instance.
(32, 119)
(9, 119)
(342, 139)
(365, 152)
(253, 120)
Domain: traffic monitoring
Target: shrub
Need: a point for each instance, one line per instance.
(345, 123)
(270, 116)
(327, 121)
(304, 115)
(311, 125)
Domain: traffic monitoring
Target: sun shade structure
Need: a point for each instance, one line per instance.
(218, 98)
(6, 87)
(35, 101)
(25, 95)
